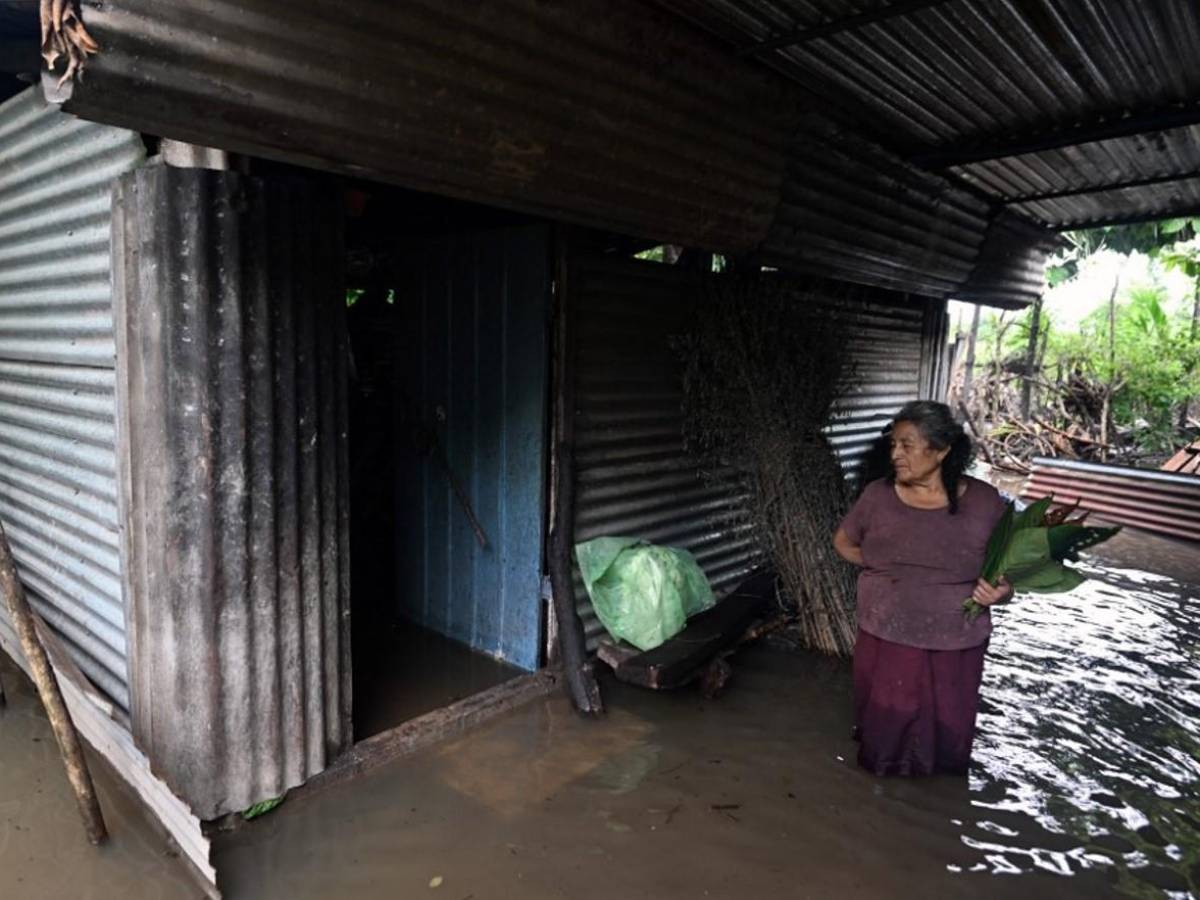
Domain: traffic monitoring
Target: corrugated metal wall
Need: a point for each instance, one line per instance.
(890, 367)
(58, 492)
(473, 364)
(232, 353)
(634, 476)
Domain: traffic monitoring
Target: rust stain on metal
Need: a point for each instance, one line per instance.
(1141, 498)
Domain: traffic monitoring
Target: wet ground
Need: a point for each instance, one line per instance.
(415, 671)
(1085, 784)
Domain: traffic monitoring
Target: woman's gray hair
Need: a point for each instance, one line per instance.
(937, 425)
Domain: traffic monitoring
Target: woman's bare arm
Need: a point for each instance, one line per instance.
(846, 549)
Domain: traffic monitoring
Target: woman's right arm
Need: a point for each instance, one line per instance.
(847, 549)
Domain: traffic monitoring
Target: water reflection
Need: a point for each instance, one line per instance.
(1090, 725)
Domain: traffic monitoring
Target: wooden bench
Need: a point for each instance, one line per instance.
(697, 650)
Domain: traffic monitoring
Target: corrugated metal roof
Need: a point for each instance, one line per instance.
(852, 211)
(1011, 270)
(973, 77)
(542, 108)
(628, 120)
(58, 493)
(232, 382)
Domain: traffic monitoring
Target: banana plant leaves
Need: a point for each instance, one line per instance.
(1030, 549)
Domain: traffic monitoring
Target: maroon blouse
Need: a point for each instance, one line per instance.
(921, 564)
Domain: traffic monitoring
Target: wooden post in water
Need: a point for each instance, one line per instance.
(47, 685)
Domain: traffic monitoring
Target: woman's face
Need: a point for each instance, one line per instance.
(913, 458)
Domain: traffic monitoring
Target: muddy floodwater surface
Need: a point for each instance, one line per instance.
(1085, 783)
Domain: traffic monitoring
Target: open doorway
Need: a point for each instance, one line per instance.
(448, 416)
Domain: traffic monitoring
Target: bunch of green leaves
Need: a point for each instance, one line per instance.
(1031, 548)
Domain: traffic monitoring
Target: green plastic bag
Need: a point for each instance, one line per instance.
(643, 594)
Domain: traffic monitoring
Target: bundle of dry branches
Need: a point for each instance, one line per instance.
(64, 35)
(762, 368)
(1072, 419)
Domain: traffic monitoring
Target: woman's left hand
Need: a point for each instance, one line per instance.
(986, 594)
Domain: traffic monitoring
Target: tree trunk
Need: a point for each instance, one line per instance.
(1035, 326)
(997, 371)
(1187, 403)
(969, 371)
(1112, 367)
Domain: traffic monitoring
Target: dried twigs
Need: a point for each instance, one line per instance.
(763, 365)
(64, 35)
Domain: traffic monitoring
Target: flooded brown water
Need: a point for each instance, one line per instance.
(43, 851)
(1084, 784)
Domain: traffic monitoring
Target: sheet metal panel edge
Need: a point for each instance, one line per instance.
(57, 397)
(234, 425)
(1142, 498)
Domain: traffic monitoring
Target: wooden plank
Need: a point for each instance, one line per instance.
(682, 658)
(432, 728)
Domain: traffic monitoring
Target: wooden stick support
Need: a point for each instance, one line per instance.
(47, 686)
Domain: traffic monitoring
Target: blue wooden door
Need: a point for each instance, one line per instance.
(472, 408)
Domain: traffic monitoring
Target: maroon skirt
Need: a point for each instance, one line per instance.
(915, 709)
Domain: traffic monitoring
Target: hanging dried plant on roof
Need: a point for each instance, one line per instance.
(65, 37)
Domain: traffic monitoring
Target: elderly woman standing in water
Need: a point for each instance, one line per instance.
(920, 535)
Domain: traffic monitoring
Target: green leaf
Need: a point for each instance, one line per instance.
(1034, 514)
(261, 809)
(1067, 540)
(1052, 578)
(996, 546)
(1027, 549)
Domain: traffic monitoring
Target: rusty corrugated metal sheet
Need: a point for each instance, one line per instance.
(606, 114)
(58, 490)
(1143, 498)
(232, 380)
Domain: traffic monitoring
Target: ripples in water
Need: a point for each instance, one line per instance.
(1090, 724)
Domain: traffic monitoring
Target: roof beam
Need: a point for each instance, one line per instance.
(1117, 125)
(837, 26)
(1183, 212)
(1100, 188)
